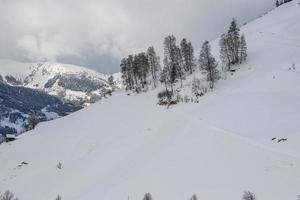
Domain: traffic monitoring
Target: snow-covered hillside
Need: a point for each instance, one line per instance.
(68, 82)
(125, 146)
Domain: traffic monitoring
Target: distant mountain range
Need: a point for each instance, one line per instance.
(16, 103)
(70, 83)
(49, 89)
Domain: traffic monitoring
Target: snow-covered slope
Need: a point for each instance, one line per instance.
(68, 82)
(125, 146)
(118, 79)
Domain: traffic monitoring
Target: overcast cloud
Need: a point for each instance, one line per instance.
(97, 33)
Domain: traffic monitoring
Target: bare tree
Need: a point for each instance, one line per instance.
(154, 64)
(33, 120)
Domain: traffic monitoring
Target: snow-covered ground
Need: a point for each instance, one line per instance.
(126, 146)
(118, 79)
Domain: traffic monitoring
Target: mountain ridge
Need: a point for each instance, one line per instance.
(61, 80)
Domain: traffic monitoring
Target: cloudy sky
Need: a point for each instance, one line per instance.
(98, 33)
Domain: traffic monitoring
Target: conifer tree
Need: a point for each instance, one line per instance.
(234, 41)
(208, 64)
(233, 47)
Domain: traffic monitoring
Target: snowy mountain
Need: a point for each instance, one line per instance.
(40, 87)
(127, 145)
(68, 82)
(16, 103)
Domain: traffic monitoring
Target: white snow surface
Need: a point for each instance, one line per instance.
(126, 146)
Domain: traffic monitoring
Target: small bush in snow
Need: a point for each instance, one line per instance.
(32, 121)
(198, 89)
(8, 195)
(248, 196)
(164, 94)
(147, 196)
(59, 165)
(166, 97)
(194, 197)
(58, 197)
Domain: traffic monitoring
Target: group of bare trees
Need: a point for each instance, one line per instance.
(174, 68)
(179, 62)
(140, 70)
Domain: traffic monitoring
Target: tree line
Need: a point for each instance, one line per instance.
(143, 69)
(247, 195)
(8, 195)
